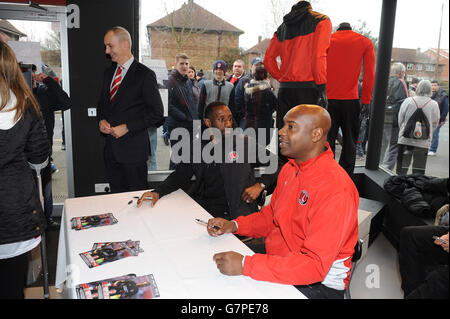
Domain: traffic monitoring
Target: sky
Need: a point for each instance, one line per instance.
(416, 26)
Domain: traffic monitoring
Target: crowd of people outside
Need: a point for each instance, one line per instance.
(326, 82)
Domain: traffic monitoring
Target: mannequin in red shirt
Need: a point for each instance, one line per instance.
(348, 52)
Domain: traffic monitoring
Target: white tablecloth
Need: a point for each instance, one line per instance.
(177, 250)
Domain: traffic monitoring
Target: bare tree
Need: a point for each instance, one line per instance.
(183, 35)
(361, 28)
(181, 24)
(51, 50)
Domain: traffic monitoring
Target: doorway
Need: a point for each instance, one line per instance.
(38, 17)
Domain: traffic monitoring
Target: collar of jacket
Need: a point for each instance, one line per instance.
(178, 76)
(255, 86)
(215, 82)
(304, 166)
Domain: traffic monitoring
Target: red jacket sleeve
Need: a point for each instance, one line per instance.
(369, 73)
(270, 58)
(319, 55)
(330, 226)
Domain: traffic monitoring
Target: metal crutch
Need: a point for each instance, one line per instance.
(43, 244)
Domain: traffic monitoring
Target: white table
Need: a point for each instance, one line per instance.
(177, 251)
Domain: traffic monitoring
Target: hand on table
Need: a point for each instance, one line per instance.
(224, 226)
(148, 196)
(229, 263)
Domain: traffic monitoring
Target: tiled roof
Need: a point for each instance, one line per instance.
(192, 16)
(260, 47)
(7, 27)
(410, 55)
(443, 52)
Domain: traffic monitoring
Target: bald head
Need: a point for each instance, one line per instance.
(118, 45)
(316, 115)
(304, 133)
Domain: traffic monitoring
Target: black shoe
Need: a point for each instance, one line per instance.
(52, 225)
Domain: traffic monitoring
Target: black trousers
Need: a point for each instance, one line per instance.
(423, 265)
(290, 97)
(125, 177)
(13, 276)
(319, 291)
(345, 115)
(406, 153)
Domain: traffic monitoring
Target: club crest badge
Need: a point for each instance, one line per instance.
(303, 198)
(233, 156)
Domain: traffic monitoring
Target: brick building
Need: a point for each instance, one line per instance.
(443, 59)
(203, 36)
(258, 50)
(417, 64)
(8, 32)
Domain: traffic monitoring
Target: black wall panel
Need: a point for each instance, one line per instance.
(87, 62)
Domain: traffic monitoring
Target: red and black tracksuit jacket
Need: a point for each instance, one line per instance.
(301, 42)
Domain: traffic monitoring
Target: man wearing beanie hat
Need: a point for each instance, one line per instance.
(217, 89)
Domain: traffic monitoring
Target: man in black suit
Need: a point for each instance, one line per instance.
(129, 103)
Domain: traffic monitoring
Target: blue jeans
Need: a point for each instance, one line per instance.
(151, 162)
(359, 143)
(390, 157)
(435, 140)
(48, 200)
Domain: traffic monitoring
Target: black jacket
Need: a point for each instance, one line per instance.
(51, 98)
(396, 94)
(239, 97)
(421, 195)
(237, 176)
(260, 103)
(182, 103)
(137, 104)
(21, 213)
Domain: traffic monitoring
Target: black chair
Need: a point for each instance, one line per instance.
(356, 256)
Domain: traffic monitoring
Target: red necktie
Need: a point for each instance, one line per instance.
(116, 83)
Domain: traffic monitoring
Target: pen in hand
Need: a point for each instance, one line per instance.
(440, 239)
(206, 224)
